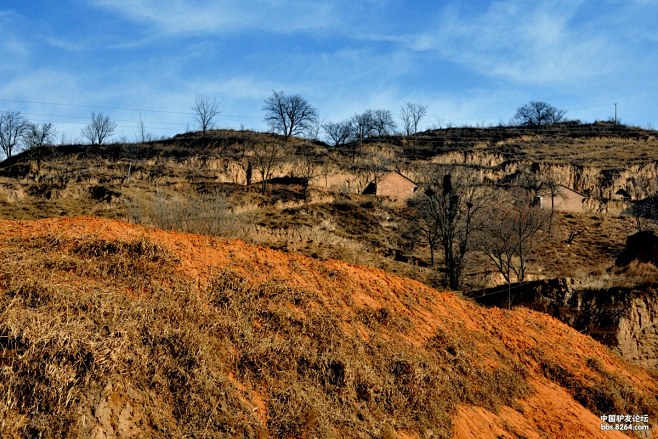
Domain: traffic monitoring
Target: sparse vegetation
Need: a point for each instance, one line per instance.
(99, 326)
(117, 181)
(257, 348)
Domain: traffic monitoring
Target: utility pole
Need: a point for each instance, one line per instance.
(616, 120)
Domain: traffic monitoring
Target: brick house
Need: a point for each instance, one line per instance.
(566, 200)
(393, 185)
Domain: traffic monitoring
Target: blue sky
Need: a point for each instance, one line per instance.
(470, 62)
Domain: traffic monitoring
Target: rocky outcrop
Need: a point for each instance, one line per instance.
(625, 319)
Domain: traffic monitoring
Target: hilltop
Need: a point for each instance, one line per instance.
(600, 144)
(111, 329)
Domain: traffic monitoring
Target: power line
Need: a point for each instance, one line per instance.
(473, 118)
(481, 119)
(116, 120)
(118, 126)
(146, 110)
(95, 106)
(70, 122)
(83, 120)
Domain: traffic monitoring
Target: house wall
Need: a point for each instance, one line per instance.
(566, 201)
(396, 186)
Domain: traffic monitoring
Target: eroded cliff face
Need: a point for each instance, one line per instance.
(609, 182)
(608, 189)
(625, 319)
(637, 334)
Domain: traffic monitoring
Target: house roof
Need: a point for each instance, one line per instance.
(571, 190)
(403, 176)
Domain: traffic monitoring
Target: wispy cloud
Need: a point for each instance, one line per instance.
(533, 45)
(45, 85)
(176, 17)
(13, 50)
(67, 44)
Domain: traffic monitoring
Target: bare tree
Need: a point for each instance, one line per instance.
(267, 156)
(38, 136)
(363, 126)
(340, 133)
(144, 136)
(447, 214)
(13, 127)
(422, 224)
(550, 187)
(289, 115)
(383, 123)
(205, 111)
(411, 115)
(307, 166)
(537, 114)
(509, 233)
(37, 140)
(645, 205)
(242, 153)
(643, 210)
(540, 186)
(99, 129)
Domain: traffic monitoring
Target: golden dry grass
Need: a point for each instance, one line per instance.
(108, 328)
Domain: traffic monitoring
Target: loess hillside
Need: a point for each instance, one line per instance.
(109, 329)
(211, 184)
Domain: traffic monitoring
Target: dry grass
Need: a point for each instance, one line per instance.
(208, 214)
(598, 145)
(91, 328)
(115, 315)
(603, 392)
(61, 341)
(634, 274)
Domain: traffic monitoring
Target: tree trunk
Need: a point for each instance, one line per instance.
(248, 173)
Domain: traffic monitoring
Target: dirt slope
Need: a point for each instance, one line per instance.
(112, 330)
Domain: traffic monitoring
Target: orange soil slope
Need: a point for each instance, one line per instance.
(562, 368)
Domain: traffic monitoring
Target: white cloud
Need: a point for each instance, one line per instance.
(68, 45)
(537, 45)
(13, 50)
(176, 17)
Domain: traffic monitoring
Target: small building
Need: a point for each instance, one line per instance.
(393, 185)
(565, 200)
